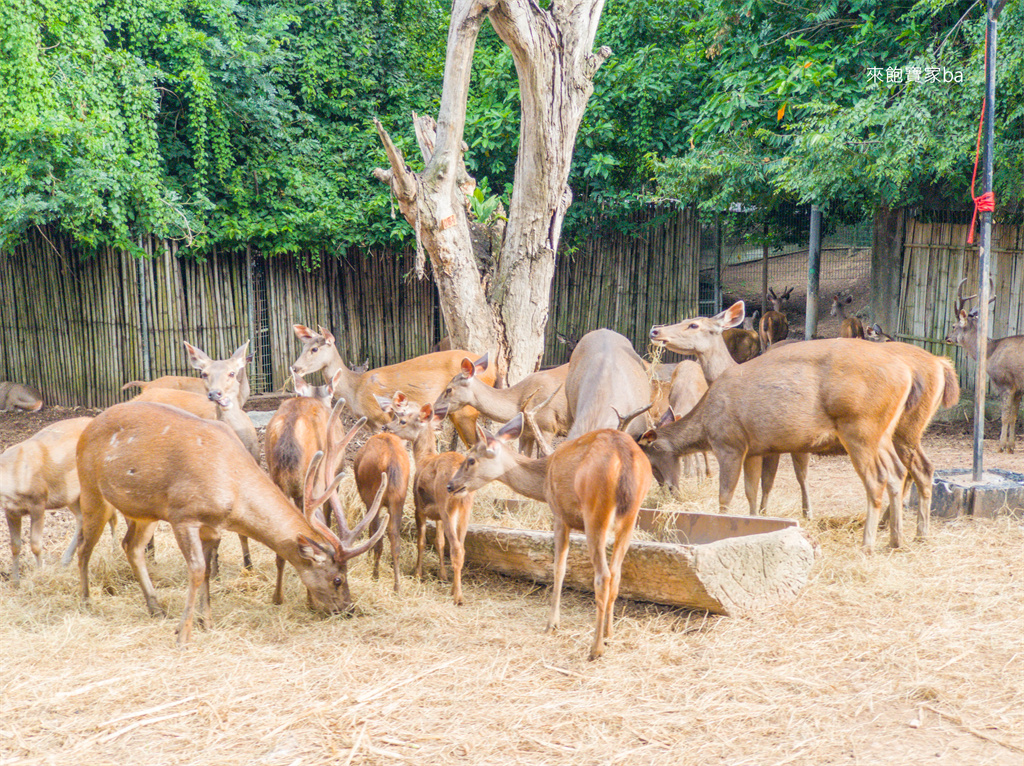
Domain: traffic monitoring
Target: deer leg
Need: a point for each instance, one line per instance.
(278, 598)
(602, 588)
(751, 478)
(623, 536)
(246, 558)
(14, 527)
(801, 462)
(1008, 431)
(95, 513)
(439, 535)
(75, 509)
(421, 539)
(769, 469)
(395, 538)
(707, 466)
(378, 549)
(134, 547)
(210, 544)
(729, 465)
(456, 530)
(192, 549)
(35, 535)
(871, 470)
(921, 470)
(561, 556)
(895, 481)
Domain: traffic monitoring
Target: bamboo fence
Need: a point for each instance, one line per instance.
(936, 258)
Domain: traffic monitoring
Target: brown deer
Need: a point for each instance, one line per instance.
(384, 454)
(606, 381)
(39, 475)
(1004, 363)
(935, 381)
(594, 483)
(851, 327)
(774, 327)
(156, 463)
(431, 498)
(18, 396)
(778, 300)
(687, 387)
(203, 363)
(742, 345)
(501, 404)
(302, 426)
(422, 379)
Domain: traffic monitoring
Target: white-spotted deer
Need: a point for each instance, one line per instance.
(594, 483)
(156, 463)
(39, 475)
(431, 498)
(501, 404)
(18, 396)
(606, 383)
(851, 327)
(302, 426)
(422, 379)
(1004, 363)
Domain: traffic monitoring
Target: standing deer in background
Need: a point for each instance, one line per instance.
(851, 327)
(302, 426)
(422, 379)
(834, 395)
(1004, 364)
(774, 327)
(742, 344)
(18, 396)
(502, 404)
(212, 368)
(607, 384)
(778, 300)
(384, 455)
(594, 483)
(156, 463)
(431, 498)
(39, 475)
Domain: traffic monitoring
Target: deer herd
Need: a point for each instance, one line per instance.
(592, 436)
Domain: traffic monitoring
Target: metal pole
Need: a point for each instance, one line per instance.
(986, 241)
(813, 274)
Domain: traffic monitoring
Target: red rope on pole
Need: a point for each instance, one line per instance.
(984, 203)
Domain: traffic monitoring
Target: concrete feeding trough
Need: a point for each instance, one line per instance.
(727, 565)
(956, 494)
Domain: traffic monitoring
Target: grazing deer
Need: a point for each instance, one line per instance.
(156, 463)
(431, 498)
(422, 379)
(594, 483)
(39, 475)
(501, 404)
(606, 379)
(935, 383)
(302, 426)
(851, 327)
(18, 396)
(384, 454)
(1004, 363)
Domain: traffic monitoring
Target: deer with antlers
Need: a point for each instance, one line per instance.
(1004, 363)
(157, 463)
(594, 483)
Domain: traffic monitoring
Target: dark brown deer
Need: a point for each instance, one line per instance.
(431, 498)
(202, 482)
(774, 327)
(851, 327)
(594, 483)
(742, 345)
(1004, 363)
(384, 455)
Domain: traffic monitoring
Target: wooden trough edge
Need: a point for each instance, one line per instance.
(734, 576)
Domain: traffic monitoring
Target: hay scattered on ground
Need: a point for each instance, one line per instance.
(901, 657)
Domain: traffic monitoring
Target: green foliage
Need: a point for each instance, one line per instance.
(792, 113)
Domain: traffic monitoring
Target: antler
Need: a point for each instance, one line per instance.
(961, 300)
(543, 445)
(625, 420)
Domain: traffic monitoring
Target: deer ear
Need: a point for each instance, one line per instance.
(426, 412)
(849, 299)
(648, 437)
(383, 402)
(668, 417)
(303, 333)
(468, 368)
(481, 434)
(301, 387)
(312, 551)
(732, 316)
(332, 385)
(481, 363)
(512, 429)
(240, 352)
(196, 356)
(399, 399)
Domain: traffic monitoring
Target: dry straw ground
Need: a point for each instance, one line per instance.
(908, 657)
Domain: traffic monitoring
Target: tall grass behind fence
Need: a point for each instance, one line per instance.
(936, 257)
(626, 281)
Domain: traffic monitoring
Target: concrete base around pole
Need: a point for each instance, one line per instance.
(955, 494)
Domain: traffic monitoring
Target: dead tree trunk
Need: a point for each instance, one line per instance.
(501, 302)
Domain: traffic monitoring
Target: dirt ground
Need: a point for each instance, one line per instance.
(913, 656)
